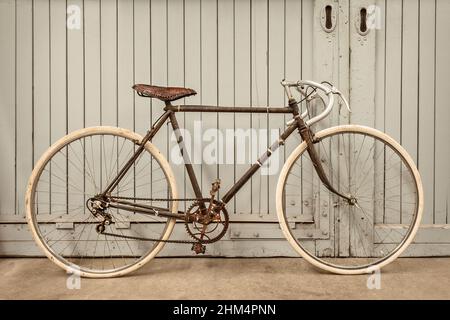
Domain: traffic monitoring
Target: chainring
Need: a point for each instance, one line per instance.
(212, 231)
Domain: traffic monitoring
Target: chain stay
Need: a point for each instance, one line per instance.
(154, 239)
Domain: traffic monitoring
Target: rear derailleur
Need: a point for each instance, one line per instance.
(98, 209)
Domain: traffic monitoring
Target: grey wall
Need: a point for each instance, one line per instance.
(54, 80)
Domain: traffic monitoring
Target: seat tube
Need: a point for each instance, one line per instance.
(185, 155)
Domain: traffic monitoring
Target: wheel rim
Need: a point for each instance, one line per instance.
(327, 235)
(66, 229)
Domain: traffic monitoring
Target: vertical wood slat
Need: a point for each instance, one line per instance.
(159, 66)
(7, 93)
(410, 59)
(293, 57)
(442, 115)
(75, 97)
(426, 129)
(92, 60)
(259, 87)
(132, 113)
(362, 97)
(208, 16)
(192, 42)
(242, 96)
(141, 73)
(225, 94)
(276, 71)
(42, 104)
(175, 77)
(393, 85)
(24, 102)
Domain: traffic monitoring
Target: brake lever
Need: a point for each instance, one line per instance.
(336, 91)
(345, 102)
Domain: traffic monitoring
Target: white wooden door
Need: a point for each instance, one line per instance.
(56, 79)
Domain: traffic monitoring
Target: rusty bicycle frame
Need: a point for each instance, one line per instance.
(298, 123)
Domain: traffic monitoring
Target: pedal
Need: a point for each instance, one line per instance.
(198, 248)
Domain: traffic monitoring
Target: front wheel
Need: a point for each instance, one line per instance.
(366, 232)
(59, 205)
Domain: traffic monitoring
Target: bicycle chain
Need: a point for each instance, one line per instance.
(154, 239)
(161, 199)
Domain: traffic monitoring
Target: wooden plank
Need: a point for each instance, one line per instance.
(92, 78)
(362, 97)
(158, 47)
(92, 84)
(175, 77)
(427, 233)
(192, 69)
(225, 94)
(7, 92)
(393, 87)
(410, 88)
(141, 62)
(427, 70)
(242, 96)
(380, 66)
(133, 113)
(108, 52)
(442, 129)
(259, 94)
(75, 101)
(226, 248)
(25, 103)
(292, 71)
(410, 61)
(42, 94)
(209, 93)
(275, 73)
(326, 68)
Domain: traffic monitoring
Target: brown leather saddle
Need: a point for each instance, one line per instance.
(165, 94)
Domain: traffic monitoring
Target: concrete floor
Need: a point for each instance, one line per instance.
(218, 278)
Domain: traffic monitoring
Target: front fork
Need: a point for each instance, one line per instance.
(308, 136)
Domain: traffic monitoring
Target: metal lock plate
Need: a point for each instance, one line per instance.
(328, 18)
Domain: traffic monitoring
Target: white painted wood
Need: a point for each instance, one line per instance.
(427, 106)
(242, 96)
(225, 94)
(208, 91)
(442, 116)
(393, 82)
(24, 109)
(276, 94)
(259, 95)
(8, 106)
(232, 53)
(362, 98)
(175, 75)
(192, 78)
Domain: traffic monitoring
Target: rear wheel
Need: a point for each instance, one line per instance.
(59, 202)
(371, 230)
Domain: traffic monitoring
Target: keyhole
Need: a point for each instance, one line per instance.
(328, 21)
(363, 20)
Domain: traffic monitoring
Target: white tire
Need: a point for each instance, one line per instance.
(33, 180)
(282, 217)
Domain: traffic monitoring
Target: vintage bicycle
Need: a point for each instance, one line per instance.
(103, 201)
